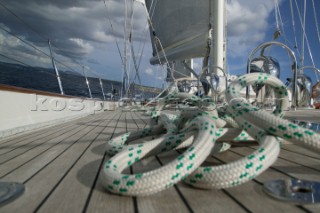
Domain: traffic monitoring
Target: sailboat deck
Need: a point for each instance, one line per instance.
(60, 168)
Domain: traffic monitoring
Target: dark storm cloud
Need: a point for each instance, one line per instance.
(74, 27)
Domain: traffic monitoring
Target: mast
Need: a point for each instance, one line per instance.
(125, 57)
(217, 22)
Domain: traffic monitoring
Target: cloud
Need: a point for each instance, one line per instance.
(93, 61)
(80, 30)
(18, 52)
(247, 24)
(66, 22)
(149, 71)
(70, 25)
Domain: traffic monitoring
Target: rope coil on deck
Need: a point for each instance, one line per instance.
(205, 129)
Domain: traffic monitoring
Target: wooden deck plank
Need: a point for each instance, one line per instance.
(250, 194)
(103, 201)
(67, 176)
(25, 165)
(122, 125)
(14, 151)
(300, 159)
(81, 177)
(283, 169)
(311, 115)
(165, 201)
(300, 150)
(45, 151)
(204, 198)
(142, 117)
(141, 120)
(46, 179)
(16, 142)
(22, 168)
(134, 118)
(42, 131)
(288, 166)
(32, 136)
(131, 122)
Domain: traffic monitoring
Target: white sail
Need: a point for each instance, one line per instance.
(182, 27)
(179, 70)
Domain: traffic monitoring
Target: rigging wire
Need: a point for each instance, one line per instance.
(37, 68)
(139, 56)
(38, 34)
(25, 64)
(316, 20)
(130, 49)
(60, 63)
(152, 28)
(30, 27)
(276, 12)
(124, 75)
(156, 39)
(142, 46)
(167, 61)
(25, 23)
(36, 48)
(294, 29)
(305, 36)
(113, 31)
(281, 28)
(27, 43)
(13, 59)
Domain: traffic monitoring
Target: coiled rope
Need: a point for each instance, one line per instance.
(205, 129)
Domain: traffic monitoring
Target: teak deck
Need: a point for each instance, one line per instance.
(60, 167)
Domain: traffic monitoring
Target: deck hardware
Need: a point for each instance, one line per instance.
(9, 191)
(56, 69)
(294, 66)
(294, 190)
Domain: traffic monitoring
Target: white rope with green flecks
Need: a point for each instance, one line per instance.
(202, 130)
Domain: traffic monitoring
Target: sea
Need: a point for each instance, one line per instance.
(44, 79)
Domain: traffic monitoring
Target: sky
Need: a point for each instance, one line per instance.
(82, 37)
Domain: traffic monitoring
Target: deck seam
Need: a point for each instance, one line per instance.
(235, 200)
(229, 194)
(45, 134)
(261, 183)
(38, 155)
(139, 116)
(134, 120)
(72, 166)
(85, 207)
(300, 153)
(282, 158)
(41, 154)
(21, 146)
(60, 154)
(42, 131)
(184, 200)
(41, 136)
(134, 199)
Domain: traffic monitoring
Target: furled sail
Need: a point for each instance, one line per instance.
(182, 28)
